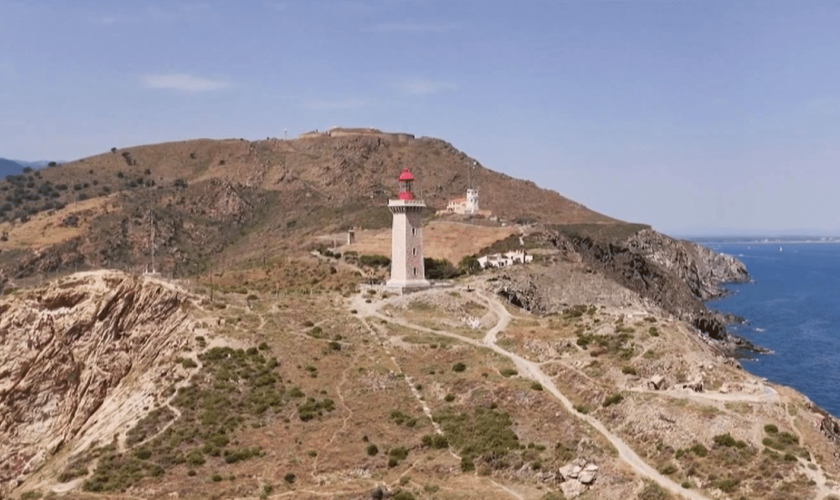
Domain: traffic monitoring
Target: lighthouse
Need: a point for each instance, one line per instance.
(407, 271)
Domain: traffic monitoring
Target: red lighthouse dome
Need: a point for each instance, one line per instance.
(406, 181)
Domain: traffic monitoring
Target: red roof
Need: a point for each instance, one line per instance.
(406, 175)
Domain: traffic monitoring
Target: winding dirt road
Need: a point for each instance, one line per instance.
(532, 371)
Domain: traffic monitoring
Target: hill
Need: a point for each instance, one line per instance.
(240, 200)
(270, 370)
(8, 167)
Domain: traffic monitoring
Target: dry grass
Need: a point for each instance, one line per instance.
(441, 240)
(45, 228)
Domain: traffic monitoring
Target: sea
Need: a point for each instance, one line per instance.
(792, 307)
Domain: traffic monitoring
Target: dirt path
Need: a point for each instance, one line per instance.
(532, 370)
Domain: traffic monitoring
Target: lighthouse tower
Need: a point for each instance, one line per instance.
(407, 271)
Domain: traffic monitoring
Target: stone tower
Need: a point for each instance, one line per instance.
(407, 269)
(472, 201)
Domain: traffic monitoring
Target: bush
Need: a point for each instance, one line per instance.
(727, 485)
(459, 367)
(613, 400)
(727, 441)
(374, 260)
(372, 450)
(771, 429)
(628, 370)
(467, 464)
(653, 491)
(668, 469)
(440, 269)
(403, 495)
(263, 346)
(400, 453)
(509, 372)
(289, 478)
(536, 386)
(216, 478)
(449, 398)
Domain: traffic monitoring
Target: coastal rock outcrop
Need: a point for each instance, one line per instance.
(676, 275)
(79, 360)
(701, 268)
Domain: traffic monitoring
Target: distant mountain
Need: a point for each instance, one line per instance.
(34, 164)
(9, 167)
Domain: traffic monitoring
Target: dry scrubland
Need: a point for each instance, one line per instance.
(262, 371)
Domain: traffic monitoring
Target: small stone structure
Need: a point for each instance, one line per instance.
(398, 137)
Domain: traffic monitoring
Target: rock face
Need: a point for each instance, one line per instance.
(78, 360)
(676, 275)
(701, 268)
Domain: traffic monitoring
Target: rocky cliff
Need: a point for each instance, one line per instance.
(676, 275)
(79, 360)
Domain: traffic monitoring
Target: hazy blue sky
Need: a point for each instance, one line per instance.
(694, 116)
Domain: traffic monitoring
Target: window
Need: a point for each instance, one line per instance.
(414, 231)
(413, 251)
(415, 271)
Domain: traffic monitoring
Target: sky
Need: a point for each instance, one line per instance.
(694, 116)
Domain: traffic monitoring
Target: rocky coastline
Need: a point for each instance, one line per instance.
(676, 275)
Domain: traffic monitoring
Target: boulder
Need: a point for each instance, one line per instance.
(572, 489)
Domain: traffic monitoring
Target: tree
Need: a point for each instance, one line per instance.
(469, 265)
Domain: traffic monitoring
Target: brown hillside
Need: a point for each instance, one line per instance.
(245, 198)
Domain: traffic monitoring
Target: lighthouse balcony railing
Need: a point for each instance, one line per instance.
(406, 203)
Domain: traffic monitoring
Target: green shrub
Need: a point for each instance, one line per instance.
(536, 386)
(727, 485)
(372, 450)
(289, 478)
(727, 441)
(459, 367)
(613, 400)
(449, 398)
(699, 450)
(335, 346)
(263, 346)
(668, 469)
(400, 453)
(30, 495)
(628, 370)
(582, 409)
(686, 485)
(296, 393)
(403, 495)
(188, 363)
(216, 478)
(771, 429)
(653, 491)
(374, 260)
(508, 372)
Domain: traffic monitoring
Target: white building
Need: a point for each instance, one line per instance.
(468, 205)
(407, 271)
(505, 259)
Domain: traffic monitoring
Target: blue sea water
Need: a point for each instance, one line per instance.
(793, 308)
